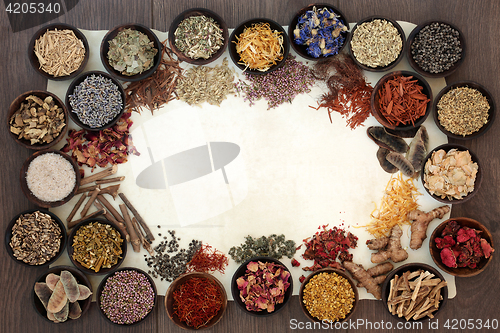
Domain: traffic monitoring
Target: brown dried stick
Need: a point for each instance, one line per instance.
(75, 209)
(86, 189)
(145, 243)
(90, 201)
(110, 208)
(93, 214)
(109, 180)
(112, 219)
(111, 190)
(107, 172)
(134, 238)
(149, 234)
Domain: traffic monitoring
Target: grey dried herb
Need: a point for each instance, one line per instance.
(131, 52)
(198, 37)
(37, 120)
(273, 246)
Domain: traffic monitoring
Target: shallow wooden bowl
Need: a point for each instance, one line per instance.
(374, 100)
(8, 237)
(302, 49)
(197, 12)
(392, 64)
(484, 92)
(79, 80)
(112, 34)
(31, 197)
(102, 271)
(416, 67)
(236, 292)
(235, 57)
(169, 299)
(101, 288)
(80, 278)
(386, 286)
(479, 176)
(36, 63)
(16, 105)
(460, 271)
(328, 270)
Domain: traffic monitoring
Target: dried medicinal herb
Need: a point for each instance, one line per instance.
(325, 246)
(198, 37)
(206, 84)
(208, 260)
(131, 52)
(273, 246)
(37, 120)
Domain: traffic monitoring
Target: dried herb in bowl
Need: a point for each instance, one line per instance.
(198, 37)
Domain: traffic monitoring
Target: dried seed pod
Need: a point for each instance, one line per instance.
(70, 286)
(385, 140)
(51, 279)
(43, 292)
(51, 317)
(75, 311)
(401, 163)
(62, 315)
(384, 163)
(58, 299)
(85, 292)
(418, 149)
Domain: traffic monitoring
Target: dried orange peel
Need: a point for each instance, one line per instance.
(259, 47)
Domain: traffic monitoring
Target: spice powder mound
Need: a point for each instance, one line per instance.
(50, 177)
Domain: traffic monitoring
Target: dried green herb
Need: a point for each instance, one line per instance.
(131, 52)
(273, 246)
(198, 37)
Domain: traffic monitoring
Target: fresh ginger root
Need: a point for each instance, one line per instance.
(362, 276)
(420, 223)
(392, 251)
(378, 272)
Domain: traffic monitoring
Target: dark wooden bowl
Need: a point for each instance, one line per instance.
(236, 292)
(36, 63)
(386, 286)
(479, 176)
(102, 271)
(80, 278)
(328, 270)
(392, 64)
(31, 197)
(101, 288)
(197, 12)
(374, 100)
(460, 271)
(484, 92)
(16, 104)
(416, 67)
(235, 57)
(79, 80)
(302, 49)
(8, 237)
(112, 34)
(169, 299)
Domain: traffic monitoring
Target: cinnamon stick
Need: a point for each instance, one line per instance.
(107, 172)
(112, 219)
(109, 180)
(75, 209)
(110, 208)
(143, 224)
(144, 242)
(86, 189)
(134, 239)
(93, 214)
(111, 190)
(90, 201)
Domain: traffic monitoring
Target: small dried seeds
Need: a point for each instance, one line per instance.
(37, 120)
(463, 110)
(376, 43)
(36, 238)
(198, 37)
(97, 245)
(328, 296)
(59, 52)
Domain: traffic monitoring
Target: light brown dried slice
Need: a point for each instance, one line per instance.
(57, 299)
(85, 292)
(70, 286)
(62, 315)
(43, 292)
(75, 311)
(51, 279)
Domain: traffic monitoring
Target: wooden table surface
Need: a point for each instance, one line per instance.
(477, 297)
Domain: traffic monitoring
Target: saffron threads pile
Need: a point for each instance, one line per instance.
(349, 94)
(207, 260)
(158, 89)
(197, 301)
(109, 146)
(279, 86)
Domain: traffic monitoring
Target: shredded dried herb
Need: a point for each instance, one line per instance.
(273, 246)
(208, 260)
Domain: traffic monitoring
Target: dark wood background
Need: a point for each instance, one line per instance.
(479, 21)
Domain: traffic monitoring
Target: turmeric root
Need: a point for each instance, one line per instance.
(393, 251)
(420, 223)
(360, 274)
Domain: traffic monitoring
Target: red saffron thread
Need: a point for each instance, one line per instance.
(208, 260)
